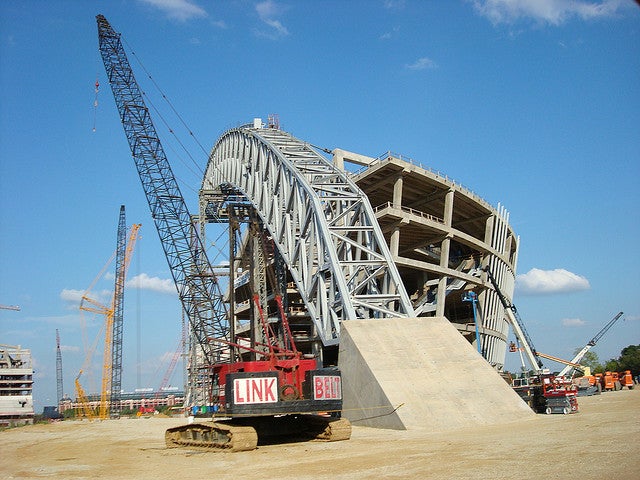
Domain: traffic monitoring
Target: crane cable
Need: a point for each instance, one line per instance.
(176, 113)
(200, 171)
(95, 104)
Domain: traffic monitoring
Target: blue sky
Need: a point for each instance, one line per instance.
(531, 104)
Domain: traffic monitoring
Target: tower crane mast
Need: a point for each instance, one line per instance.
(59, 384)
(109, 395)
(124, 250)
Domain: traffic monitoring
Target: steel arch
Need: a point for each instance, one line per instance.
(321, 222)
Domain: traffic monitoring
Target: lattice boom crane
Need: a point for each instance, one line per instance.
(267, 394)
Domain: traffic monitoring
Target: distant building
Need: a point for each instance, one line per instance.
(16, 385)
(142, 399)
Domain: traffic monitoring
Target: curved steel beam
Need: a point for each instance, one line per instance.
(321, 222)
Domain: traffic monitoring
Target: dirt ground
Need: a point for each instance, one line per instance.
(602, 441)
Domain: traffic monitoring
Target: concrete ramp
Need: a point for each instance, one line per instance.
(420, 373)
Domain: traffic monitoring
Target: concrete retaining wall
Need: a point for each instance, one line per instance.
(419, 373)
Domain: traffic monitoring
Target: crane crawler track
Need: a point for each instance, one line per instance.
(332, 430)
(244, 434)
(212, 436)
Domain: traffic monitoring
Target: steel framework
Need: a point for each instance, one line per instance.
(118, 303)
(59, 383)
(195, 281)
(322, 224)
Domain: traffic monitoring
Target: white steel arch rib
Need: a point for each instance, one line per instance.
(321, 222)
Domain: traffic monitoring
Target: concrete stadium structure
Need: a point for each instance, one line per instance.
(441, 236)
(390, 241)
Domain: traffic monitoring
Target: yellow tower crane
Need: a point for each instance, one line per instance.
(91, 305)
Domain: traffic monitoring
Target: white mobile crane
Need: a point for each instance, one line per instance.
(576, 360)
(517, 324)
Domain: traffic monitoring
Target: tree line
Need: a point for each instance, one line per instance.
(629, 359)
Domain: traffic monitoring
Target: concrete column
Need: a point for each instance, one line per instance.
(397, 191)
(488, 230)
(444, 253)
(394, 245)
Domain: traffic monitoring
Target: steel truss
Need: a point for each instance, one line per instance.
(322, 224)
(191, 271)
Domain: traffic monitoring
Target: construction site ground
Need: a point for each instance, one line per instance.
(602, 441)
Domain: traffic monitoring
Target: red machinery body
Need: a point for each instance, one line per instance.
(560, 395)
(256, 388)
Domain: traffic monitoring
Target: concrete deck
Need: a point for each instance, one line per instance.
(420, 373)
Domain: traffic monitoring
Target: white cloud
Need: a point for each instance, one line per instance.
(268, 11)
(573, 322)
(390, 34)
(145, 282)
(540, 282)
(422, 63)
(69, 348)
(394, 4)
(553, 12)
(178, 9)
(71, 295)
(219, 24)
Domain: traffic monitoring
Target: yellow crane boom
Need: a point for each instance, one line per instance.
(91, 305)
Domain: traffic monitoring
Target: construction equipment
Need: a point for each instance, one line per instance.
(609, 381)
(124, 251)
(626, 379)
(580, 355)
(585, 384)
(517, 324)
(570, 364)
(172, 366)
(473, 298)
(547, 393)
(59, 383)
(82, 399)
(559, 395)
(282, 392)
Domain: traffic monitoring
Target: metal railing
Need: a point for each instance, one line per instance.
(411, 211)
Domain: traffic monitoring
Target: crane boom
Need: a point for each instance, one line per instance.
(123, 258)
(295, 389)
(580, 355)
(517, 324)
(559, 360)
(82, 399)
(193, 276)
